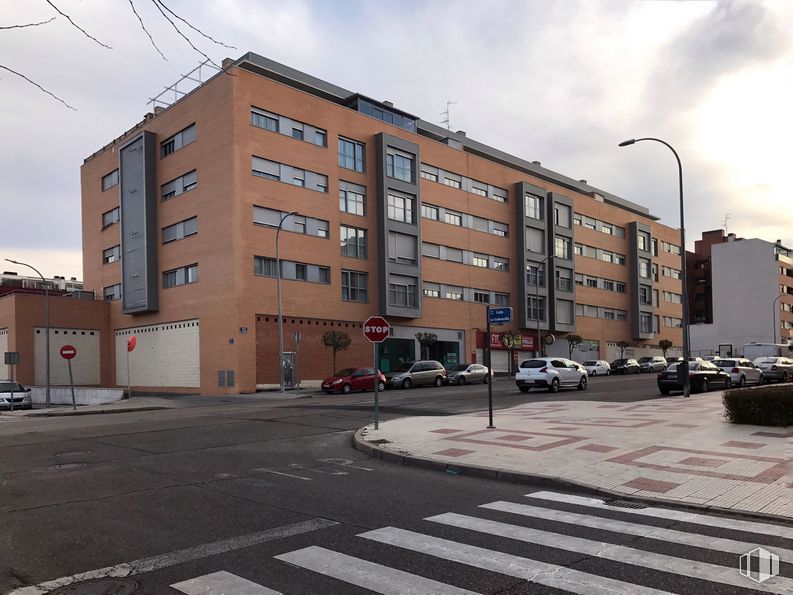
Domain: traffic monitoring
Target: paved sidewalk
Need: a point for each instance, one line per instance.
(672, 449)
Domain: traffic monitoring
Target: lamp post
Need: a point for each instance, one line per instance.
(686, 338)
(46, 324)
(773, 314)
(280, 316)
(537, 300)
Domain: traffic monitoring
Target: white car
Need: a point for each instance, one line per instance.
(779, 369)
(551, 373)
(741, 371)
(21, 395)
(597, 367)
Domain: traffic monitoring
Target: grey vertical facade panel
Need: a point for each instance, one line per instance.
(637, 308)
(555, 231)
(526, 258)
(384, 183)
(138, 203)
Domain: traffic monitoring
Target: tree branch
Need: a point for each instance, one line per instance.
(68, 18)
(28, 25)
(132, 5)
(35, 84)
(187, 39)
(162, 3)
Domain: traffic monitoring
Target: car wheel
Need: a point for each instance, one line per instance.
(486, 379)
(554, 388)
(594, 372)
(346, 389)
(582, 383)
(761, 380)
(742, 382)
(785, 377)
(728, 384)
(439, 381)
(381, 387)
(608, 372)
(704, 386)
(523, 389)
(407, 383)
(460, 380)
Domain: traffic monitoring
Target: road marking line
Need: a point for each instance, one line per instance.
(344, 463)
(673, 515)
(609, 551)
(535, 571)
(369, 575)
(222, 583)
(181, 556)
(264, 470)
(668, 535)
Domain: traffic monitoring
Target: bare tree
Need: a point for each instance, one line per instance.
(337, 341)
(665, 345)
(623, 345)
(573, 341)
(426, 341)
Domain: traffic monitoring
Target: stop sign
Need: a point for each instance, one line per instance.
(376, 329)
(68, 352)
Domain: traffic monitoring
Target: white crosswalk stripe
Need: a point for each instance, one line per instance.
(222, 583)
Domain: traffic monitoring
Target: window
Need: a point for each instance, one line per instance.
(534, 207)
(592, 282)
(453, 182)
(578, 249)
(320, 138)
(111, 255)
(479, 260)
(178, 186)
(670, 272)
(402, 291)
(655, 247)
(354, 286)
(499, 229)
(402, 248)
(265, 267)
(579, 279)
(112, 292)
(264, 168)
(561, 215)
(645, 270)
(453, 293)
(432, 290)
(478, 190)
(482, 297)
(500, 264)
(298, 177)
(645, 296)
(110, 180)
(674, 298)
(645, 322)
(400, 207)
(110, 217)
(295, 223)
(177, 141)
(430, 250)
(429, 212)
(608, 230)
(536, 308)
(606, 256)
(297, 132)
(608, 314)
(454, 254)
(671, 248)
(534, 276)
(351, 154)
(351, 198)
(589, 223)
(608, 285)
(265, 120)
(619, 259)
(564, 281)
(399, 165)
(301, 271)
(180, 230)
(272, 170)
(621, 315)
(673, 322)
(562, 248)
(564, 311)
(501, 299)
(643, 239)
(323, 275)
(453, 218)
(535, 240)
(429, 173)
(620, 287)
(180, 276)
(353, 241)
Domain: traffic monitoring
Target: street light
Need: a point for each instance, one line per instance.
(46, 323)
(537, 299)
(280, 316)
(686, 339)
(773, 314)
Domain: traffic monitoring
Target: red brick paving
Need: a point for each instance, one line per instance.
(737, 444)
(651, 485)
(702, 462)
(597, 448)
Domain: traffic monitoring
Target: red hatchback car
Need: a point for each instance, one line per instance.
(350, 379)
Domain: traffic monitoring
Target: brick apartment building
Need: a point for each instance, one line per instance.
(395, 216)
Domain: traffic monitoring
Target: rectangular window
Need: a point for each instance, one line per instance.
(608, 230)
(620, 287)
(399, 165)
(578, 249)
(110, 217)
(180, 276)
(453, 293)
(645, 296)
(590, 223)
(454, 254)
(592, 282)
(320, 138)
(671, 248)
(645, 269)
(453, 218)
(301, 271)
(499, 229)
(431, 290)
(177, 141)
(608, 314)
(354, 286)
(264, 168)
(501, 299)
(263, 119)
(670, 272)
(180, 230)
(298, 177)
(112, 292)
(564, 280)
(535, 240)
(562, 248)
(111, 255)
(535, 276)
(352, 198)
(453, 182)
(429, 173)
(645, 323)
(430, 250)
(534, 207)
(110, 180)
(621, 315)
(619, 259)
(482, 297)
(323, 275)
(429, 212)
(402, 248)
(265, 267)
(295, 223)
(564, 311)
(479, 260)
(351, 154)
(606, 256)
(353, 241)
(536, 308)
(608, 285)
(500, 264)
(643, 241)
(561, 215)
(479, 191)
(400, 207)
(402, 291)
(297, 132)
(180, 185)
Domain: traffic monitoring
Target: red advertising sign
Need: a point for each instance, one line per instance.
(68, 352)
(376, 329)
(527, 342)
(131, 343)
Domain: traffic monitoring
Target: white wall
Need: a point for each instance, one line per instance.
(85, 365)
(5, 371)
(167, 355)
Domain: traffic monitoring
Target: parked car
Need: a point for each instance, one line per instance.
(22, 398)
(551, 373)
(468, 373)
(702, 376)
(741, 371)
(775, 368)
(418, 373)
(652, 363)
(672, 360)
(353, 379)
(597, 367)
(624, 366)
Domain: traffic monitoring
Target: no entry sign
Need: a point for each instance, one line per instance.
(68, 352)
(376, 329)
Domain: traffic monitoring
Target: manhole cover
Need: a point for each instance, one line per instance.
(102, 586)
(626, 504)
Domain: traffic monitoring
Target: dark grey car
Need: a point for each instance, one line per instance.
(420, 373)
(652, 363)
(468, 373)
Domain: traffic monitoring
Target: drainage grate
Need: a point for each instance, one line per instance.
(625, 504)
(68, 465)
(102, 586)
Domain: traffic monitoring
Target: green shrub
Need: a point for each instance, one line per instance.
(760, 406)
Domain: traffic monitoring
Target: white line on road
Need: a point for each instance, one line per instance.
(375, 577)
(222, 583)
(674, 515)
(541, 573)
(180, 556)
(265, 470)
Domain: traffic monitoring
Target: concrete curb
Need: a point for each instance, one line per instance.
(92, 412)
(544, 481)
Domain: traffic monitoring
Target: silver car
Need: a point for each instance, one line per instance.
(775, 368)
(741, 370)
(21, 394)
(421, 373)
(468, 373)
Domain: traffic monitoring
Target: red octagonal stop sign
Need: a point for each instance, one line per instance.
(68, 352)
(376, 329)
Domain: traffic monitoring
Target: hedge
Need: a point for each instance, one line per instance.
(761, 406)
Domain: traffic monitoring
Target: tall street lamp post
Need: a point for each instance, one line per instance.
(540, 266)
(773, 314)
(280, 316)
(46, 324)
(686, 339)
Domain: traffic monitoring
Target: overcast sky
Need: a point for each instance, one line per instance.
(558, 82)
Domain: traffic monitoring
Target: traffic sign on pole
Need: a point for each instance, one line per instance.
(376, 329)
(68, 352)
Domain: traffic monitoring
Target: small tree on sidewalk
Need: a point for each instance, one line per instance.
(511, 340)
(426, 342)
(337, 341)
(623, 345)
(573, 341)
(665, 345)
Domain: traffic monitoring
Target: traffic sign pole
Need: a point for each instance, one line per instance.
(376, 387)
(376, 330)
(67, 353)
(489, 368)
(71, 383)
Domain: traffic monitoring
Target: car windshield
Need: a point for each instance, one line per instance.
(619, 362)
(345, 372)
(404, 367)
(534, 363)
(460, 368)
(645, 359)
(724, 363)
(7, 387)
(590, 362)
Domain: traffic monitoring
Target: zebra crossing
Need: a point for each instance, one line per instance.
(549, 540)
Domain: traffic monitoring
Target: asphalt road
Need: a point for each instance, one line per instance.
(150, 491)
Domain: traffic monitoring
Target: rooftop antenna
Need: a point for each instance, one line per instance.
(725, 225)
(446, 119)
